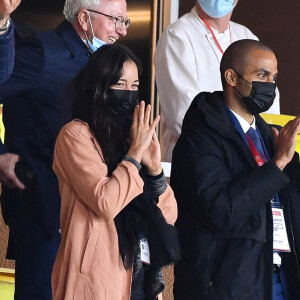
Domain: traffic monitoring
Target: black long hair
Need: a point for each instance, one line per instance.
(90, 105)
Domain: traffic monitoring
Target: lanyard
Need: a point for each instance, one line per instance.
(255, 153)
(260, 162)
(214, 37)
(246, 139)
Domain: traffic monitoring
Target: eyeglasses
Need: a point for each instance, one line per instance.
(119, 21)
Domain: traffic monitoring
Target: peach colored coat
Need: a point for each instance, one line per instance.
(88, 265)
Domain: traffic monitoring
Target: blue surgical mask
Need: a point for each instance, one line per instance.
(95, 43)
(217, 8)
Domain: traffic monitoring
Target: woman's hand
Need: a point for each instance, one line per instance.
(152, 157)
(141, 133)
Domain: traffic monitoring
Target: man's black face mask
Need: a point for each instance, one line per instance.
(261, 97)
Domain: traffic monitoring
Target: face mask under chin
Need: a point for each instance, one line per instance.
(96, 43)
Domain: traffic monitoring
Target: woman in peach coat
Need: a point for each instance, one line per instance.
(117, 210)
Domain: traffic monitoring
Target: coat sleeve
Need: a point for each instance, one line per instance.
(28, 67)
(7, 53)
(79, 165)
(176, 77)
(168, 205)
(29, 63)
(206, 188)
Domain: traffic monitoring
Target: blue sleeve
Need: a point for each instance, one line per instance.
(7, 53)
(27, 71)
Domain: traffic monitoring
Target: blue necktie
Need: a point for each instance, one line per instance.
(254, 137)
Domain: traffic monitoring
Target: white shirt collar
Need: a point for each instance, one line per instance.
(244, 124)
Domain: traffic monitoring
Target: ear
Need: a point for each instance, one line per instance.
(83, 19)
(230, 77)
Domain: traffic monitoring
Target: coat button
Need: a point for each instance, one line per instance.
(59, 230)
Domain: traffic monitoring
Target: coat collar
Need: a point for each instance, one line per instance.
(209, 108)
(72, 39)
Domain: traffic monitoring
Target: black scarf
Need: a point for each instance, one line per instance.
(141, 218)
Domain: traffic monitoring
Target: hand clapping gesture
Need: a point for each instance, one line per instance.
(144, 145)
(285, 142)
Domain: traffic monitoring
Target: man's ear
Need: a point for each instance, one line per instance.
(230, 77)
(83, 19)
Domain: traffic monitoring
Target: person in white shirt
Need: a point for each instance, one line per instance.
(187, 62)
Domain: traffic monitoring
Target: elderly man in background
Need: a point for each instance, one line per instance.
(187, 62)
(33, 115)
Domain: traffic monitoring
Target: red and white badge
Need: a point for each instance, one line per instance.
(280, 238)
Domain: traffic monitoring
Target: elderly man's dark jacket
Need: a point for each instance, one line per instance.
(33, 114)
(225, 218)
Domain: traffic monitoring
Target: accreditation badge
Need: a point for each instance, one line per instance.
(145, 251)
(280, 238)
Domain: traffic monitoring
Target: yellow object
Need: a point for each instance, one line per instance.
(7, 284)
(281, 120)
(1, 124)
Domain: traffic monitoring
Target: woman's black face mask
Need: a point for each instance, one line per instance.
(122, 102)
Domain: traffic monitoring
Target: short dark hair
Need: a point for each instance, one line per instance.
(235, 56)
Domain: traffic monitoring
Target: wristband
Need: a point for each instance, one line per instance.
(5, 26)
(133, 161)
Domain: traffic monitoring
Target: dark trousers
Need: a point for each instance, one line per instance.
(33, 252)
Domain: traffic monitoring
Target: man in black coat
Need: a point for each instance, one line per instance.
(231, 184)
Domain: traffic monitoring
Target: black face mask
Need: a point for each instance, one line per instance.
(261, 97)
(122, 102)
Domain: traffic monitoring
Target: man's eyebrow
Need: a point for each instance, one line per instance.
(262, 70)
(265, 71)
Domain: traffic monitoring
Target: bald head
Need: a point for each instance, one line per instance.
(238, 56)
